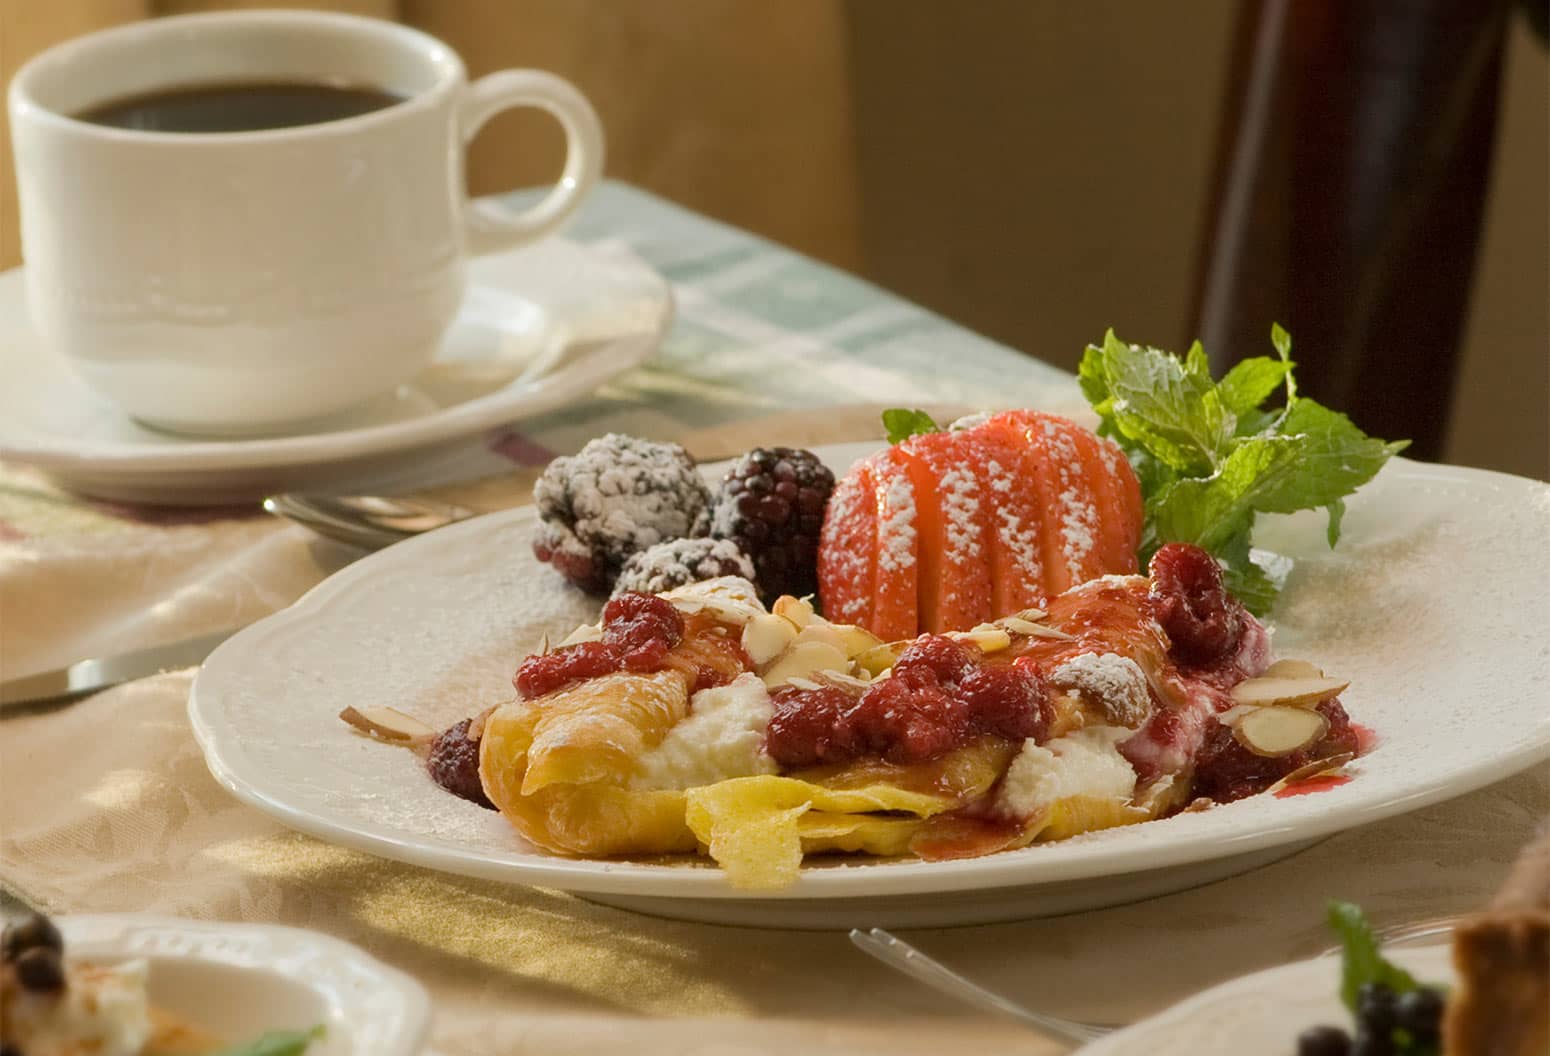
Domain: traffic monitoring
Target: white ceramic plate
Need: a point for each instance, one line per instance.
(1260, 1013)
(1434, 606)
(239, 980)
(540, 328)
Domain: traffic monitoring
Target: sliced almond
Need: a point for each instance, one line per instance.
(823, 631)
(587, 632)
(389, 724)
(803, 660)
(1033, 615)
(766, 636)
(803, 683)
(1018, 625)
(844, 681)
(1277, 731)
(1294, 692)
(879, 660)
(1331, 765)
(857, 640)
(1291, 669)
(1039, 630)
(798, 610)
(989, 638)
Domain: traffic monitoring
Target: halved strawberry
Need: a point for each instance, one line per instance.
(895, 601)
(1111, 479)
(1013, 513)
(1040, 472)
(847, 549)
(954, 579)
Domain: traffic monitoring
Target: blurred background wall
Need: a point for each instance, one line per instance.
(1037, 171)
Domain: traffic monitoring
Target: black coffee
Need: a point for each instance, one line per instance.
(247, 106)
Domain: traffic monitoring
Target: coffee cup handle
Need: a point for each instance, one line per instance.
(489, 223)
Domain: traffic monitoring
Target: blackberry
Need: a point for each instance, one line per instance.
(680, 562)
(618, 496)
(454, 764)
(771, 504)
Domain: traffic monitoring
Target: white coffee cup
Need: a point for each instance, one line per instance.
(248, 282)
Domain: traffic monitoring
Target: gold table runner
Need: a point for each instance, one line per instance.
(106, 806)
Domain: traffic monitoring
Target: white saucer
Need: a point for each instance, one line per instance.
(1260, 1013)
(240, 980)
(541, 327)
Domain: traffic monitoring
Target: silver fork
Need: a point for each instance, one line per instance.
(896, 953)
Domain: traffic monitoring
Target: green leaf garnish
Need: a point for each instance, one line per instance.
(1361, 962)
(1211, 456)
(903, 423)
(277, 1043)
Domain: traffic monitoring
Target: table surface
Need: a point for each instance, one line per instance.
(106, 807)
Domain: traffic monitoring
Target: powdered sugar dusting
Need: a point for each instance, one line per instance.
(1019, 540)
(1113, 682)
(896, 531)
(1078, 517)
(961, 506)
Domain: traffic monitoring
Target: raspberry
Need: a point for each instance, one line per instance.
(680, 562)
(807, 727)
(1009, 701)
(454, 764)
(539, 676)
(1188, 598)
(771, 504)
(641, 628)
(620, 495)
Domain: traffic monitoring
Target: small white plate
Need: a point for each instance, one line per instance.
(1260, 1013)
(239, 980)
(541, 327)
(1433, 606)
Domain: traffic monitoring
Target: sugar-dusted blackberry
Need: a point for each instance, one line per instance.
(29, 932)
(682, 561)
(771, 504)
(618, 496)
(454, 764)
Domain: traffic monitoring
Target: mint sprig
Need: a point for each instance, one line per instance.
(1361, 961)
(903, 423)
(1211, 456)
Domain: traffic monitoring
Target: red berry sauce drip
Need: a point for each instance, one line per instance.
(639, 630)
(1188, 599)
(1225, 770)
(938, 698)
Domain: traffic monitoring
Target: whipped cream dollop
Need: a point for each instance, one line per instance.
(1083, 763)
(721, 737)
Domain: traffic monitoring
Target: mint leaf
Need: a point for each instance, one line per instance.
(903, 423)
(1281, 341)
(1210, 511)
(1248, 384)
(1336, 515)
(1361, 960)
(1340, 457)
(1170, 408)
(276, 1043)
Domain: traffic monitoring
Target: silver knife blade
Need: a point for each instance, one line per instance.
(51, 688)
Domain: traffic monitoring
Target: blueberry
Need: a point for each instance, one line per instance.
(1369, 1042)
(1420, 1012)
(1375, 1008)
(1323, 1041)
(40, 970)
(30, 932)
